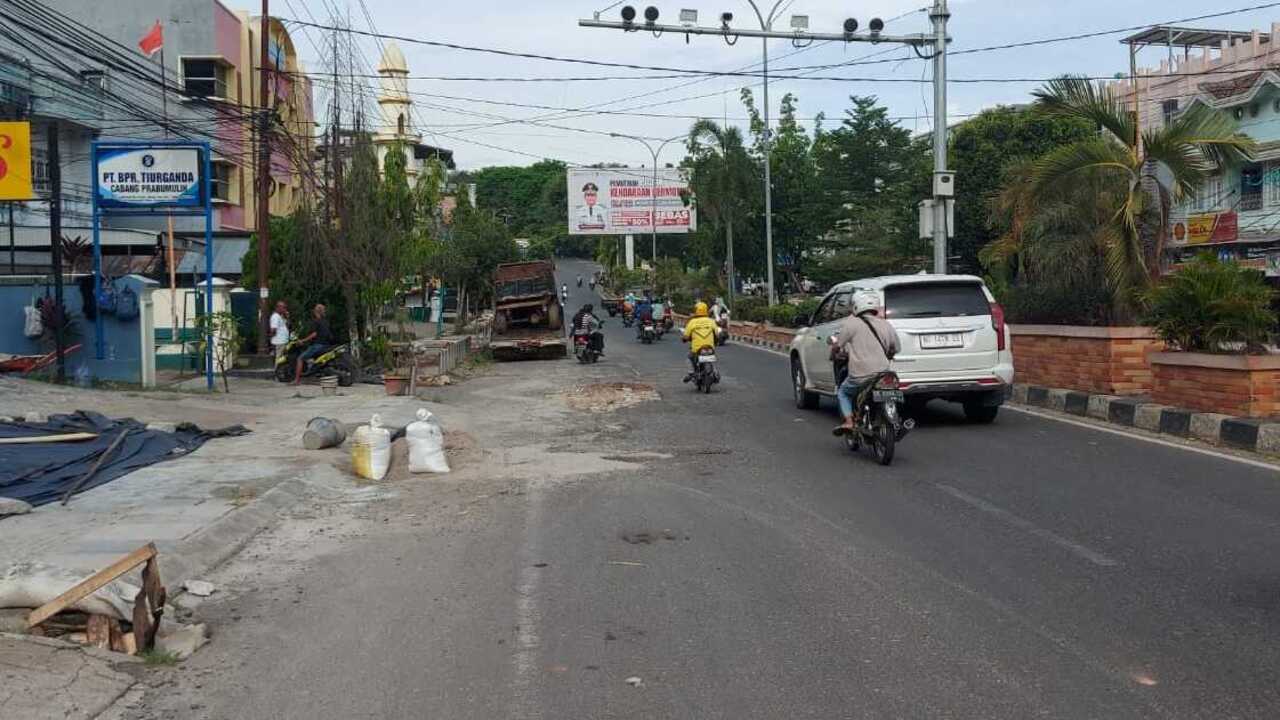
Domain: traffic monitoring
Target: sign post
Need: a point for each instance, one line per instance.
(153, 179)
(621, 202)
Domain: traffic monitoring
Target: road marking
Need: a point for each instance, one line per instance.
(1092, 556)
(1125, 432)
(761, 348)
(528, 615)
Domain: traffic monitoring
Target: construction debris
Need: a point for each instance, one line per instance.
(199, 588)
(30, 585)
(610, 396)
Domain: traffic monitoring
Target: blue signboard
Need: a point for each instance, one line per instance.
(148, 177)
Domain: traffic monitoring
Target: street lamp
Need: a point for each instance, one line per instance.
(653, 188)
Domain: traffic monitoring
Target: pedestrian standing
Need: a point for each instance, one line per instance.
(279, 324)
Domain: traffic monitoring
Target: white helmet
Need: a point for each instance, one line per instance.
(864, 300)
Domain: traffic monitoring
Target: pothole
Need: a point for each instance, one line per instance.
(607, 397)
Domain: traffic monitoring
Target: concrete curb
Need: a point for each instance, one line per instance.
(225, 537)
(1252, 434)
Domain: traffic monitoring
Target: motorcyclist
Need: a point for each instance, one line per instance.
(579, 280)
(319, 340)
(868, 342)
(643, 313)
(586, 323)
(700, 332)
(564, 292)
(592, 282)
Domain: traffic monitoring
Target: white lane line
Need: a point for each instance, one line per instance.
(528, 615)
(1129, 433)
(1092, 556)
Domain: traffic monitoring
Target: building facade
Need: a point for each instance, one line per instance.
(1236, 213)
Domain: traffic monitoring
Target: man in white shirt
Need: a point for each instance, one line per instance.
(279, 324)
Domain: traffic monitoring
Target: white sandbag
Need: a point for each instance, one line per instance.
(30, 585)
(426, 444)
(371, 450)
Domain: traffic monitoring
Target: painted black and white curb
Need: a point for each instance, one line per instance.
(1259, 435)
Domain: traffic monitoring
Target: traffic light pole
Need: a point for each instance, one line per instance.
(937, 41)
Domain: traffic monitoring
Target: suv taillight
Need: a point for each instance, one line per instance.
(997, 322)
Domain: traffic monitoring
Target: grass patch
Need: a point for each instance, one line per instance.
(158, 658)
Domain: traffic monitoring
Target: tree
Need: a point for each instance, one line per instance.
(797, 211)
(1156, 168)
(722, 175)
(224, 328)
(980, 149)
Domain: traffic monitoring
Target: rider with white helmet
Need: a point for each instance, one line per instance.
(868, 342)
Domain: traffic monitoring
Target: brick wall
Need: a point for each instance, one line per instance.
(1237, 385)
(1112, 361)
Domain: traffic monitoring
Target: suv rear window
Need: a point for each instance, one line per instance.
(935, 300)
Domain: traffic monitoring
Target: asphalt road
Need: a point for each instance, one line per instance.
(755, 568)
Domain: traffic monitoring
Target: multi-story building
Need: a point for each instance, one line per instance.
(1237, 212)
(91, 79)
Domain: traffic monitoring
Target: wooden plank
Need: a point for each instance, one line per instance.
(102, 457)
(91, 584)
(65, 437)
(98, 631)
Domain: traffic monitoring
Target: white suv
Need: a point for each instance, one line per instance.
(955, 345)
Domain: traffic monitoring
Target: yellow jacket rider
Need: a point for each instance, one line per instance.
(700, 333)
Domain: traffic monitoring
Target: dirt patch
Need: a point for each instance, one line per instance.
(607, 397)
(649, 537)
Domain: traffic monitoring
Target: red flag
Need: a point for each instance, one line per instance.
(151, 43)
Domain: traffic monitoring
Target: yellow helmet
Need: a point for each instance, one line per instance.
(700, 310)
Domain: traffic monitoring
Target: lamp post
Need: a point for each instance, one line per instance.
(653, 188)
(766, 25)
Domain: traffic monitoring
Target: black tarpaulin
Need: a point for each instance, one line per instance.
(40, 473)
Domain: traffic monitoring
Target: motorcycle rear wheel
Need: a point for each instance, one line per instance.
(883, 439)
(284, 371)
(346, 370)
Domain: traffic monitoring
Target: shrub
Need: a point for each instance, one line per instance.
(805, 310)
(1057, 304)
(750, 309)
(783, 315)
(1212, 306)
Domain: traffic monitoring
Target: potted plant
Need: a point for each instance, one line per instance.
(1216, 319)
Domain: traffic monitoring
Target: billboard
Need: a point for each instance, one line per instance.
(619, 202)
(140, 177)
(1206, 228)
(15, 161)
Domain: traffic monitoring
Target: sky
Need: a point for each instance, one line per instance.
(451, 114)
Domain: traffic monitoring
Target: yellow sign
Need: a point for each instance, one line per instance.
(1207, 228)
(15, 161)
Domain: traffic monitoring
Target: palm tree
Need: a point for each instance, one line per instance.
(1154, 170)
(723, 176)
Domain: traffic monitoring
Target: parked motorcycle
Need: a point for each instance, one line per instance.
(337, 360)
(707, 375)
(880, 423)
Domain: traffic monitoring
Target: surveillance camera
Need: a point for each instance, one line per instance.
(651, 14)
(628, 13)
(850, 26)
(876, 25)
(726, 18)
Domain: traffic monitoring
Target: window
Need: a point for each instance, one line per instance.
(1210, 194)
(221, 180)
(835, 308)
(935, 299)
(40, 170)
(204, 78)
(1168, 109)
(1271, 184)
(400, 125)
(1251, 187)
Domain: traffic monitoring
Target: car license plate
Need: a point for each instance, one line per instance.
(886, 395)
(706, 358)
(941, 340)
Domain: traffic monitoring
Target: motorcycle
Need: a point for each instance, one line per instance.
(648, 333)
(880, 423)
(707, 375)
(628, 318)
(337, 360)
(722, 337)
(583, 350)
(579, 282)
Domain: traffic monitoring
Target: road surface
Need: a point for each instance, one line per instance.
(754, 568)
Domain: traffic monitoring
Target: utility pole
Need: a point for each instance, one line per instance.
(936, 40)
(55, 248)
(943, 182)
(264, 180)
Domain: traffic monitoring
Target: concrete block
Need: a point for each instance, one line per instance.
(1122, 410)
(1175, 421)
(1057, 399)
(1241, 433)
(1037, 395)
(1147, 416)
(1077, 403)
(1208, 426)
(1020, 393)
(1100, 406)
(1268, 438)
(181, 640)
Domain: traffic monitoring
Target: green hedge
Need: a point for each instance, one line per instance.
(1212, 306)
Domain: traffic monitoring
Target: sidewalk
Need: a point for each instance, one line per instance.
(198, 509)
(45, 679)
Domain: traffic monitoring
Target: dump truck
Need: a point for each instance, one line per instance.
(528, 319)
